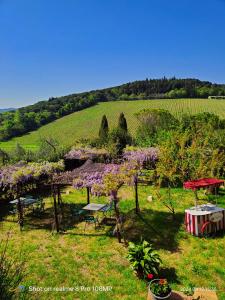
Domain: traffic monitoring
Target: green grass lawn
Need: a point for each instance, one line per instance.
(85, 123)
(95, 258)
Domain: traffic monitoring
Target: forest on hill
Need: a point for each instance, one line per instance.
(2, 110)
(25, 119)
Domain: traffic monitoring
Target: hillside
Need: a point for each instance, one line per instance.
(85, 123)
(32, 117)
(2, 110)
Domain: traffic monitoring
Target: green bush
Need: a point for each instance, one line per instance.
(119, 139)
(143, 258)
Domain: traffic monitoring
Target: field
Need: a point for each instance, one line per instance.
(95, 258)
(85, 123)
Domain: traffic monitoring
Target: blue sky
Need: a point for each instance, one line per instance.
(56, 47)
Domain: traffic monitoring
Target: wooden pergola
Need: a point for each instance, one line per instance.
(67, 178)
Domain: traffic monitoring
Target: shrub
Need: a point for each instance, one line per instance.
(143, 258)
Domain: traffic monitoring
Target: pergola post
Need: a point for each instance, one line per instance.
(20, 214)
(88, 195)
(55, 209)
(19, 208)
(118, 218)
(59, 195)
(137, 208)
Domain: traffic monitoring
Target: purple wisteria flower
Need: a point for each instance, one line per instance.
(85, 153)
(141, 155)
(23, 173)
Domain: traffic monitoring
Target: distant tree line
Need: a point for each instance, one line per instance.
(25, 119)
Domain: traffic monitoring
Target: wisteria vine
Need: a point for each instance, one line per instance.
(22, 173)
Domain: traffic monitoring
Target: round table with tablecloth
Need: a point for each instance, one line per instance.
(197, 216)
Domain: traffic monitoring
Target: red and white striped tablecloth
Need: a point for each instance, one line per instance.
(194, 219)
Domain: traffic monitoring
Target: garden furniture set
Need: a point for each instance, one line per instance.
(28, 203)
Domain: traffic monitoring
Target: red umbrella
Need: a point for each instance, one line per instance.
(202, 183)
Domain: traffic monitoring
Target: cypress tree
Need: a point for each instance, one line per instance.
(122, 122)
(3, 156)
(104, 128)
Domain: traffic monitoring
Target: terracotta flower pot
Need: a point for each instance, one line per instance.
(158, 297)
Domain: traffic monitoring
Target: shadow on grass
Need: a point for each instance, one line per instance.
(157, 227)
(169, 273)
(68, 220)
(154, 226)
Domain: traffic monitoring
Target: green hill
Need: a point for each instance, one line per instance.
(85, 123)
(2, 110)
(32, 117)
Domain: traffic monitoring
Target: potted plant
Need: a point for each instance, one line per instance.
(160, 289)
(143, 258)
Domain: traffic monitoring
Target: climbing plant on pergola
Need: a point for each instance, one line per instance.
(138, 159)
(104, 179)
(113, 176)
(16, 180)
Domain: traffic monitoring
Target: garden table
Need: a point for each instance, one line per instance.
(196, 217)
(94, 206)
(24, 201)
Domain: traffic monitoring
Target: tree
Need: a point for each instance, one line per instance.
(19, 153)
(49, 150)
(152, 122)
(104, 129)
(3, 156)
(122, 124)
(118, 140)
(201, 122)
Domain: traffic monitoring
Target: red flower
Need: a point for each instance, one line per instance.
(150, 276)
(162, 281)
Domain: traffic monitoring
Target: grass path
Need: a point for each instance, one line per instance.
(85, 123)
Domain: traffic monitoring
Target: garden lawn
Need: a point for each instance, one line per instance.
(85, 123)
(95, 258)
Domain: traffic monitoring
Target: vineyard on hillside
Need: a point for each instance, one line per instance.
(85, 123)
